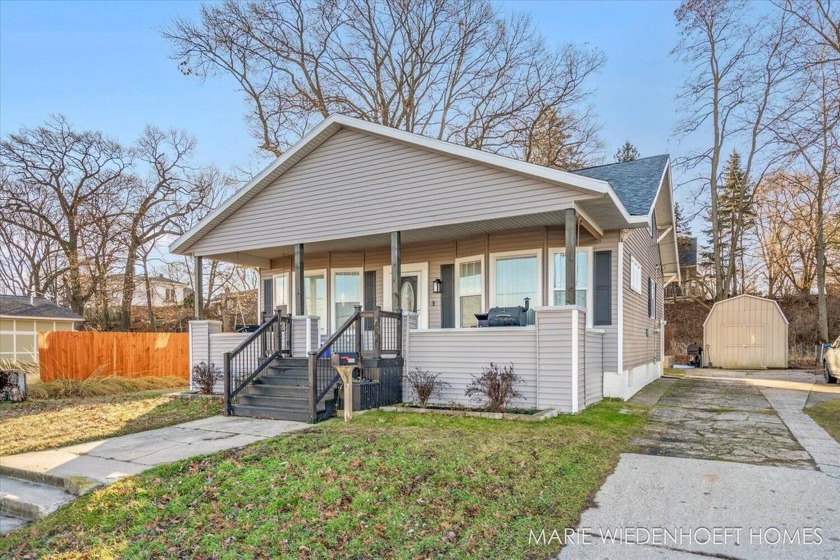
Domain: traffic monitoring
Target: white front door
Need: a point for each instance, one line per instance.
(414, 284)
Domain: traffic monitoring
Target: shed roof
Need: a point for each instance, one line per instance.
(36, 307)
(735, 298)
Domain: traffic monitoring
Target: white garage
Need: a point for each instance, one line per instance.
(746, 332)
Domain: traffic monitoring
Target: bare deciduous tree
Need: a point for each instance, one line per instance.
(738, 68)
(66, 187)
(160, 202)
(456, 70)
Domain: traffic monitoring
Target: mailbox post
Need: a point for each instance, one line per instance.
(346, 373)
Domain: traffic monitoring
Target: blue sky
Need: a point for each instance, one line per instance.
(105, 66)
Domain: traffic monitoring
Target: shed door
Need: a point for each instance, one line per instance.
(744, 347)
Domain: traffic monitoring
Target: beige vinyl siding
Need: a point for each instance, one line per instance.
(554, 338)
(641, 341)
(594, 367)
(746, 332)
(458, 353)
(356, 184)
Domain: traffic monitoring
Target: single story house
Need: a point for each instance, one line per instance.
(22, 318)
(360, 224)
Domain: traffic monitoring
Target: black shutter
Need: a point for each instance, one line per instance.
(603, 288)
(447, 296)
(268, 298)
(370, 296)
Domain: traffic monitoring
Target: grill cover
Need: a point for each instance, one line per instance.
(505, 317)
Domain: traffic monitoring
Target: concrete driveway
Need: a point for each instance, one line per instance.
(729, 467)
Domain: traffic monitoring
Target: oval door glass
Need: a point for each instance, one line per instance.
(408, 297)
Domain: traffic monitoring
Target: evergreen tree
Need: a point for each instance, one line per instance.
(735, 218)
(627, 152)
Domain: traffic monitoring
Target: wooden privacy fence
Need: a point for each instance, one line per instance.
(78, 355)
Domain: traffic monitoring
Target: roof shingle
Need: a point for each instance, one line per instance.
(39, 308)
(635, 182)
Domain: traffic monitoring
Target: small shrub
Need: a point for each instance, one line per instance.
(425, 384)
(496, 385)
(204, 377)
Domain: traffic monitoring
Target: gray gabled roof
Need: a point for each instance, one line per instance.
(37, 308)
(635, 182)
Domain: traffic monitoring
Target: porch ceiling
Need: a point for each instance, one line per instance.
(261, 257)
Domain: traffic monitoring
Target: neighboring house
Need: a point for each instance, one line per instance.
(22, 318)
(359, 214)
(689, 284)
(164, 291)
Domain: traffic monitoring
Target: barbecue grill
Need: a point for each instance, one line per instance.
(516, 316)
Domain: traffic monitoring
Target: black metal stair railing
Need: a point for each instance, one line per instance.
(367, 334)
(271, 340)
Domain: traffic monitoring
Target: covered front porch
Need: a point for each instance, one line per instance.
(437, 286)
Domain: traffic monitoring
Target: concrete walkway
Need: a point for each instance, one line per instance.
(707, 489)
(108, 460)
(33, 485)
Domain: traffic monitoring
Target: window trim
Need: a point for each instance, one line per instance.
(635, 264)
(331, 294)
(458, 263)
(508, 254)
(309, 274)
(289, 290)
(590, 279)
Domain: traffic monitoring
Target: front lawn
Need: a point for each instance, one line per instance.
(827, 415)
(35, 425)
(386, 485)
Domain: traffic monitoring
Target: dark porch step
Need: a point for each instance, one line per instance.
(272, 390)
(290, 403)
(292, 362)
(257, 411)
(287, 371)
(282, 380)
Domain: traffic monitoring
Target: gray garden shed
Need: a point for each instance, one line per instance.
(746, 332)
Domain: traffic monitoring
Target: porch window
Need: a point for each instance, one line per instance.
(515, 277)
(470, 287)
(281, 291)
(347, 293)
(581, 278)
(315, 298)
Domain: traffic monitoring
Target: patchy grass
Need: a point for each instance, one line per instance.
(827, 415)
(35, 425)
(100, 386)
(674, 372)
(386, 485)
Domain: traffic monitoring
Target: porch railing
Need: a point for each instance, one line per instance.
(242, 364)
(382, 337)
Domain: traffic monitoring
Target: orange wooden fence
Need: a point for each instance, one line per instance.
(78, 355)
